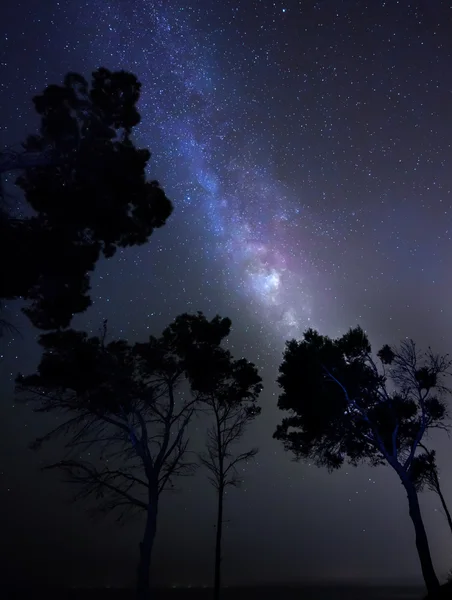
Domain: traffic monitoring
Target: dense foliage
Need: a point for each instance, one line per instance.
(90, 198)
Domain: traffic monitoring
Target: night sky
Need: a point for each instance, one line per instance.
(307, 149)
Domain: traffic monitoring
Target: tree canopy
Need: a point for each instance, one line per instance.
(127, 405)
(229, 389)
(90, 198)
(345, 408)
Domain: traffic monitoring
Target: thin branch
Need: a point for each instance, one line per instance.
(93, 477)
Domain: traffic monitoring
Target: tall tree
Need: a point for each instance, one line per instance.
(229, 388)
(128, 405)
(345, 408)
(424, 472)
(87, 197)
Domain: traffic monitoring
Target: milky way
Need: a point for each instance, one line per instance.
(220, 169)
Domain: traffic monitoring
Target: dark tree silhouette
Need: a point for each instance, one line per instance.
(345, 408)
(5, 325)
(129, 404)
(230, 389)
(88, 195)
(424, 472)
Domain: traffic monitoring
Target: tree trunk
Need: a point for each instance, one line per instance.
(423, 549)
(443, 502)
(144, 564)
(217, 581)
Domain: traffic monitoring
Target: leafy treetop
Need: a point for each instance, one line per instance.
(91, 198)
(344, 408)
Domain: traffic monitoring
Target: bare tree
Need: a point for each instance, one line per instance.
(129, 404)
(229, 389)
